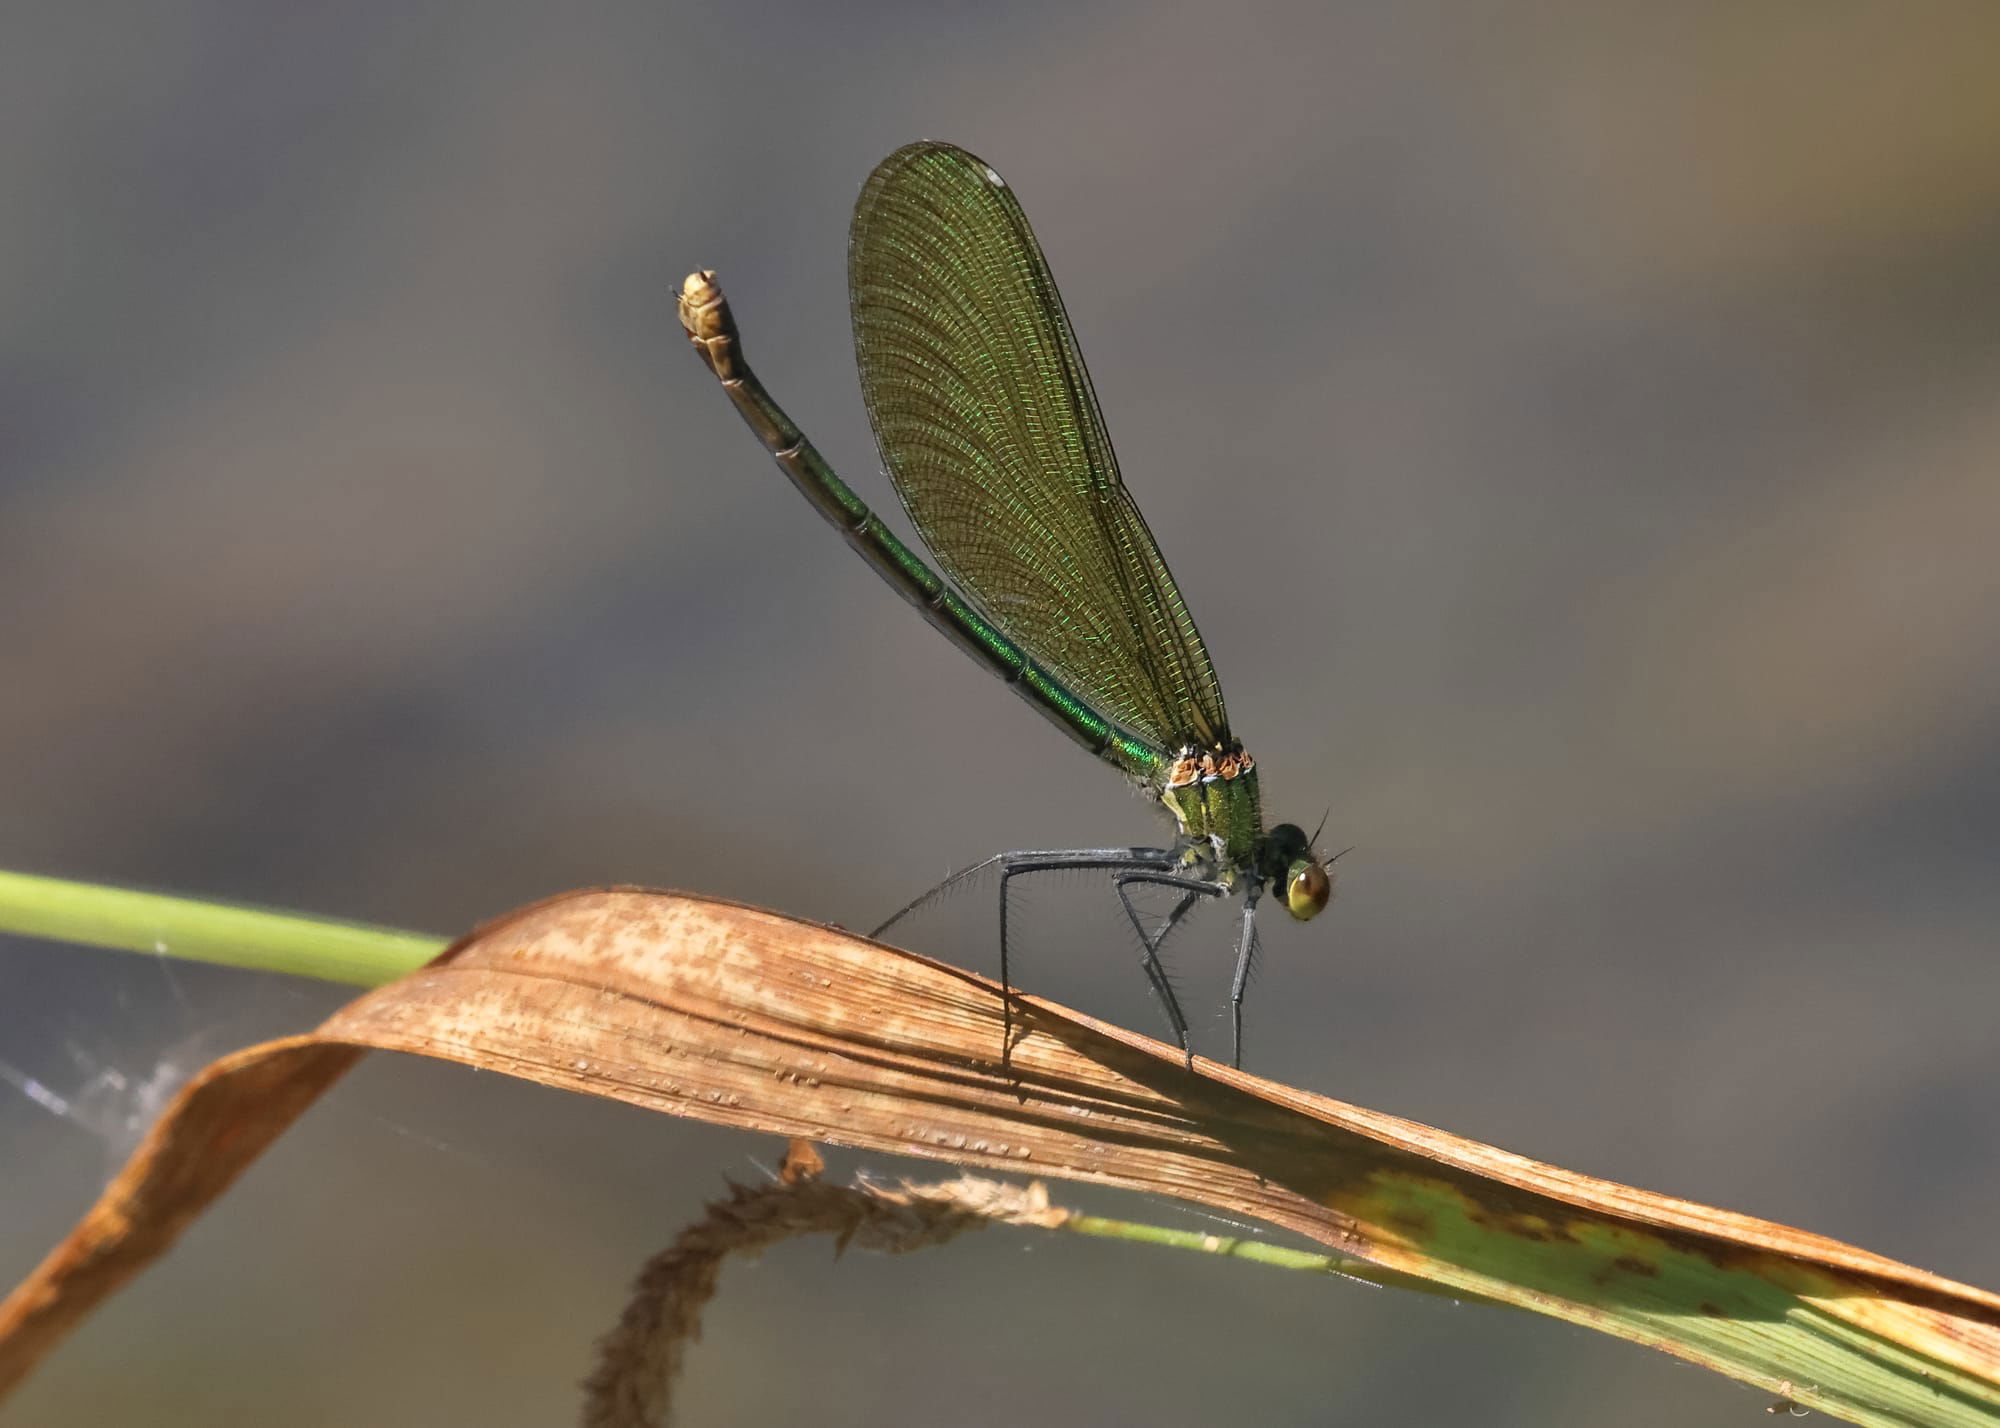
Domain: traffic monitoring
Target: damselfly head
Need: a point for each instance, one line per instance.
(1308, 888)
(1288, 860)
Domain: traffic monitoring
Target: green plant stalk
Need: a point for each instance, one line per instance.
(1262, 1252)
(229, 936)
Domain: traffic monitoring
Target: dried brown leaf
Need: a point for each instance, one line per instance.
(745, 1018)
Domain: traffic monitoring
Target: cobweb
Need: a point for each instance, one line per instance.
(95, 1044)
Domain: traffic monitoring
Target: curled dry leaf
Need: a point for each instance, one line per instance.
(745, 1018)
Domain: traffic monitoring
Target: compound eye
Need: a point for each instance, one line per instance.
(1307, 889)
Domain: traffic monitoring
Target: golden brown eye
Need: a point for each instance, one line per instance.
(1307, 888)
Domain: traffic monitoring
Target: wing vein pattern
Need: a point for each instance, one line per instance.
(987, 422)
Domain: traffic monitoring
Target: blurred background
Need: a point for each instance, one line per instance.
(1573, 427)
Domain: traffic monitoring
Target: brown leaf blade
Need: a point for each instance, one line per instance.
(746, 1018)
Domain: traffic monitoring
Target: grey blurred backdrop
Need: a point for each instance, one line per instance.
(1573, 426)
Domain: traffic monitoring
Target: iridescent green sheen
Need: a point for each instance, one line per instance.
(990, 430)
(705, 314)
(1228, 812)
(1236, 815)
(987, 422)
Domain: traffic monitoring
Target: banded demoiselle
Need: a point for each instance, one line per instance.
(990, 430)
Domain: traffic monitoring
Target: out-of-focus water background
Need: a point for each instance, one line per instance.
(1574, 427)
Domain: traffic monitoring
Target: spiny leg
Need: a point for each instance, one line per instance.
(932, 894)
(1191, 888)
(1033, 861)
(1151, 866)
(1173, 919)
(1006, 981)
(1246, 953)
(1013, 865)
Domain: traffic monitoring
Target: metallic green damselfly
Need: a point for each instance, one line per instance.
(991, 433)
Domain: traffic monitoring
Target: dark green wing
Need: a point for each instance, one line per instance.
(986, 420)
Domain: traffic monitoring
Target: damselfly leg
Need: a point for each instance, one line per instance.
(1132, 868)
